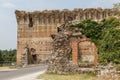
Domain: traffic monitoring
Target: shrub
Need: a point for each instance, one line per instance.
(106, 36)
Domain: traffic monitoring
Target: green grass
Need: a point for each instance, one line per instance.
(67, 77)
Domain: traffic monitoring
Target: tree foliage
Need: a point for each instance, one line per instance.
(106, 35)
(117, 5)
(8, 55)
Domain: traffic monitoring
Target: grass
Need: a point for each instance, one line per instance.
(67, 77)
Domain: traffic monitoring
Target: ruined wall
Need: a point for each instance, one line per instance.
(88, 51)
(34, 28)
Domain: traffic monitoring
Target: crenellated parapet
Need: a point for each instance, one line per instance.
(48, 17)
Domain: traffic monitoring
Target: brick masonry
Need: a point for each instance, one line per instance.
(84, 50)
(35, 28)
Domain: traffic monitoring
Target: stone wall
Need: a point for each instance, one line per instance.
(35, 28)
(70, 42)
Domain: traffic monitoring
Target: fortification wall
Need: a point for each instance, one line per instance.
(35, 28)
(48, 17)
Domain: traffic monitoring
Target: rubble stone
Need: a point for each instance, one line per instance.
(65, 45)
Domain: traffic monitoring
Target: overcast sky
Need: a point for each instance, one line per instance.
(8, 25)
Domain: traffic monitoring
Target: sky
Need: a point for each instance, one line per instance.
(8, 25)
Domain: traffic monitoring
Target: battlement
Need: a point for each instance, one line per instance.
(48, 17)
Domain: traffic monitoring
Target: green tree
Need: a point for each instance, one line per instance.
(8, 55)
(1, 59)
(117, 5)
(90, 29)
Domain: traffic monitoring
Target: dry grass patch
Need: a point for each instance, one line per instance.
(7, 67)
(67, 77)
(4, 68)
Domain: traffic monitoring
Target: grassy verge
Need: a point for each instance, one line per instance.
(67, 77)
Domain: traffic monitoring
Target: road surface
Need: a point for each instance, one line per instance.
(10, 74)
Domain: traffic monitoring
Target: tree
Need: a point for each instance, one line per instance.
(116, 8)
(117, 5)
(8, 55)
(1, 56)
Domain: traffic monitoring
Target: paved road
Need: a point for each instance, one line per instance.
(7, 75)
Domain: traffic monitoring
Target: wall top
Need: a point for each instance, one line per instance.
(59, 16)
(18, 12)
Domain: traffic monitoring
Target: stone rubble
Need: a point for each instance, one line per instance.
(109, 71)
(61, 51)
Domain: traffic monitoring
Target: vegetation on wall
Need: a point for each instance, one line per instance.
(106, 36)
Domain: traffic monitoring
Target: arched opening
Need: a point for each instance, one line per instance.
(83, 51)
(32, 56)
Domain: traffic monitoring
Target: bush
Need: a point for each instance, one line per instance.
(106, 36)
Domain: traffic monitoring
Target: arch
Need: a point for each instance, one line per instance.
(84, 50)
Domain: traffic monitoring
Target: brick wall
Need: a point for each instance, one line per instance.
(84, 50)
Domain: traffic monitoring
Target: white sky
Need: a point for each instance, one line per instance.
(8, 25)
